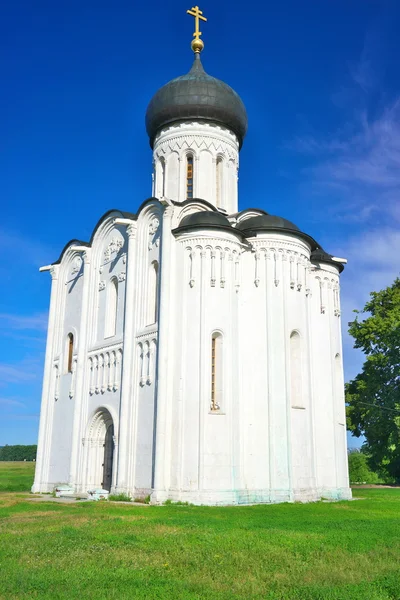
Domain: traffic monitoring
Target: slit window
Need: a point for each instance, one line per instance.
(162, 161)
(216, 372)
(153, 293)
(70, 352)
(189, 177)
(112, 308)
(219, 182)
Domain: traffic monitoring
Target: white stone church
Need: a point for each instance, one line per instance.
(194, 352)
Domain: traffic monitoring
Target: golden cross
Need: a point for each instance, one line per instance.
(197, 44)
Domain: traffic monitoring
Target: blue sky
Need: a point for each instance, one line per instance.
(321, 83)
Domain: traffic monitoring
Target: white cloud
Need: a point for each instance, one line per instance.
(359, 170)
(23, 371)
(11, 402)
(37, 322)
(373, 264)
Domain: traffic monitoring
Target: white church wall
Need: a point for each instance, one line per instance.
(64, 376)
(330, 447)
(109, 248)
(206, 143)
(103, 351)
(274, 305)
(201, 442)
(141, 413)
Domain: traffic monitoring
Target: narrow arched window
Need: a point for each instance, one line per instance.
(70, 352)
(296, 384)
(162, 161)
(219, 181)
(153, 293)
(216, 371)
(189, 176)
(111, 308)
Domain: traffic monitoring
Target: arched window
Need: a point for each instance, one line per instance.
(296, 384)
(70, 351)
(216, 371)
(162, 172)
(153, 293)
(111, 308)
(219, 182)
(189, 176)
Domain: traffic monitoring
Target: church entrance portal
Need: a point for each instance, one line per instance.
(100, 451)
(108, 458)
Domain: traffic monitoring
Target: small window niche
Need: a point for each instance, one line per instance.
(189, 176)
(218, 183)
(69, 352)
(152, 315)
(216, 372)
(111, 308)
(296, 379)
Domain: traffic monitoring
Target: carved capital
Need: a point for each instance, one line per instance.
(54, 270)
(87, 256)
(131, 230)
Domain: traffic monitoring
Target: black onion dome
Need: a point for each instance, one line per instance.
(196, 96)
(204, 218)
(262, 222)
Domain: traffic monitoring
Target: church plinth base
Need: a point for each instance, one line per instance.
(43, 488)
(243, 497)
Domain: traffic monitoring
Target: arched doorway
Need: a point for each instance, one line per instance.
(100, 455)
(108, 458)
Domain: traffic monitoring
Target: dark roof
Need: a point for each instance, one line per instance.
(262, 222)
(260, 211)
(196, 95)
(319, 255)
(204, 218)
(249, 228)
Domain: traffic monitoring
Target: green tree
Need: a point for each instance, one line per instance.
(16, 453)
(359, 471)
(373, 397)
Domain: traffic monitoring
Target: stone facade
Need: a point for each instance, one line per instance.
(195, 359)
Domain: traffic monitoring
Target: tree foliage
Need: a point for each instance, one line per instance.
(14, 453)
(359, 471)
(373, 397)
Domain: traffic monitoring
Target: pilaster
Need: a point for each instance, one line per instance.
(80, 369)
(126, 409)
(165, 354)
(46, 412)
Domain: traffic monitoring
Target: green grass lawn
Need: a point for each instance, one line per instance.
(324, 551)
(16, 476)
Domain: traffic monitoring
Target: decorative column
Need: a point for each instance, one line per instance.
(46, 412)
(162, 457)
(81, 365)
(126, 409)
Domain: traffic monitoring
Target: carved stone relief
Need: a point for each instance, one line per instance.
(154, 233)
(113, 247)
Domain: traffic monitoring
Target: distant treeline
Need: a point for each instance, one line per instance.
(13, 453)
